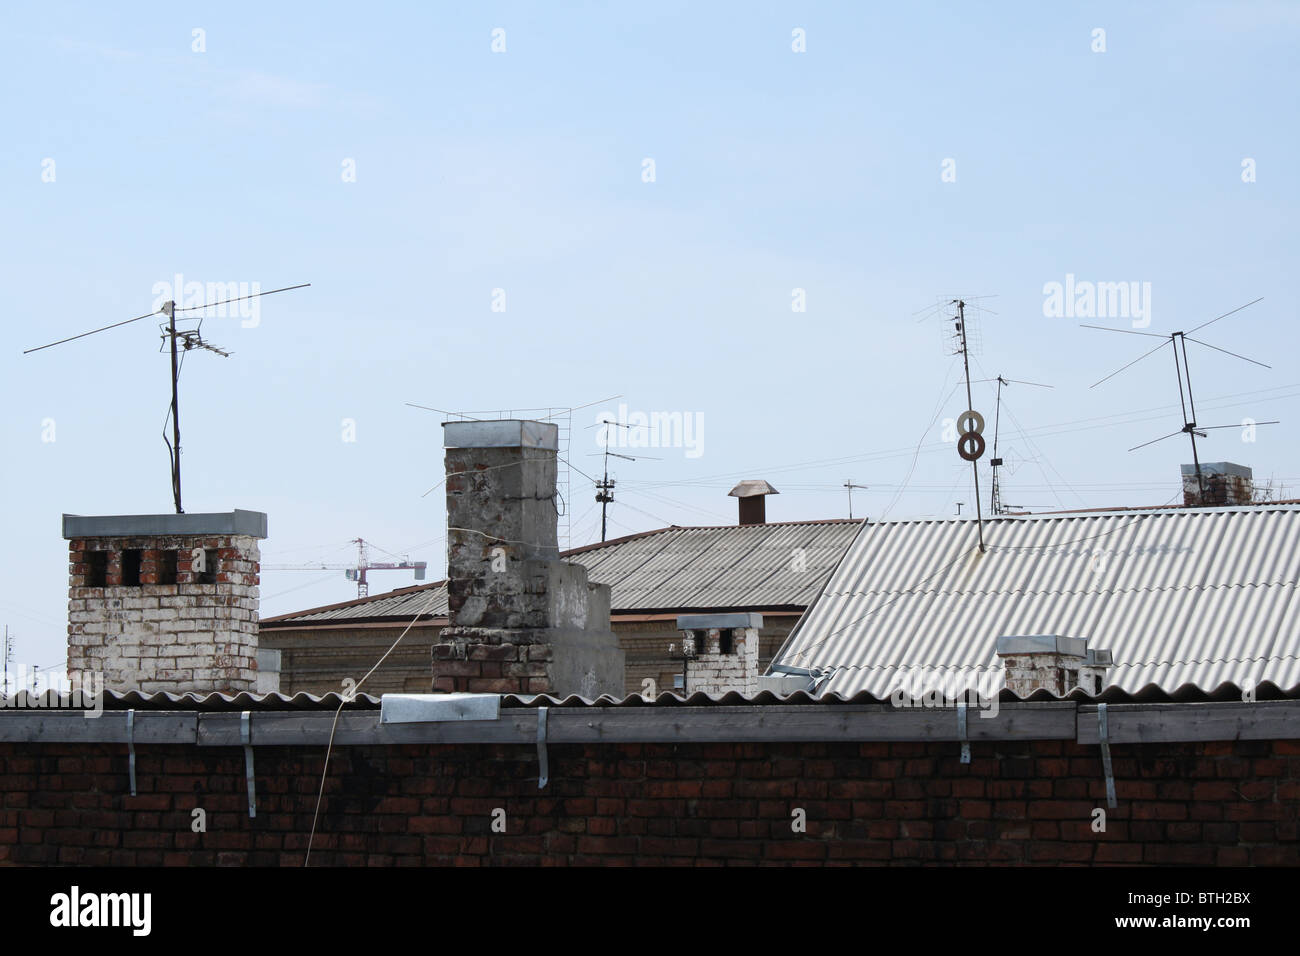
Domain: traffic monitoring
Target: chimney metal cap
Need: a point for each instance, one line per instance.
(1042, 644)
(752, 488)
(251, 523)
(1218, 468)
(506, 433)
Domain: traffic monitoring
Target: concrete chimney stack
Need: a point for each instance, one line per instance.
(521, 620)
(753, 496)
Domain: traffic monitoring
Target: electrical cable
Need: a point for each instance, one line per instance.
(334, 726)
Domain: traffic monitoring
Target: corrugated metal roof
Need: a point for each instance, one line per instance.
(1201, 596)
(735, 566)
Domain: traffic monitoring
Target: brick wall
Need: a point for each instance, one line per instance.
(1232, 803)
(715, 672)
(169, 626)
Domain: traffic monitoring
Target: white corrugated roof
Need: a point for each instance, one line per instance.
(1197, 596)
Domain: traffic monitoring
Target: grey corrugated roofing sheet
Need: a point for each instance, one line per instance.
(1186, 693)
(1198, 596)
(736, 566)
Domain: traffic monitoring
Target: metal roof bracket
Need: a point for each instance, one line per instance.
(543, 766)
(130, 747)
(1104, 734)
(246, 737)
(961, 732)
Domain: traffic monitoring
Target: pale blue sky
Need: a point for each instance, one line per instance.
(522, 171)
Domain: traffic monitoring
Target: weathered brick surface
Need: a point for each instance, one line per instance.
(187, 635)
(690, 804)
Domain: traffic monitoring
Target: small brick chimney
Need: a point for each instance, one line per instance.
(721, 652)
(1053, 663)
(165, 602)
(753, 497)
(521, 620)
(1225, 484)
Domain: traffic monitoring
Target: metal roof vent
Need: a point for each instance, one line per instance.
(753, 496)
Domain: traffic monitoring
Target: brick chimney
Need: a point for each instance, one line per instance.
(721, 652)
(521, 620)
(753, 497)
(165, 602)
(1053, 663)
(1225, 484)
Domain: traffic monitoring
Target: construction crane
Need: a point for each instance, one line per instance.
(357, 572)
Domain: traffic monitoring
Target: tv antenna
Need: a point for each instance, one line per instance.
(1179, 341)
(563, 419)
(970, 425)
(186, 340)
(605, 487)
(996, 507)
(850, 486)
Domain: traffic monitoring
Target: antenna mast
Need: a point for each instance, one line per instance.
(189, 339)
(971, 436)
(1181, 369)
(996, 507)
(850, 486)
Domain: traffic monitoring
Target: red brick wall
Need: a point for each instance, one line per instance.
(1216, 803)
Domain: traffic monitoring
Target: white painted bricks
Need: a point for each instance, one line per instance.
(190, 635)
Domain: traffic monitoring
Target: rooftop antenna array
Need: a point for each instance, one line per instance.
(184, 340)
(960, 339)
(605, 487)
(850, 486)
(1179, 341)
(970, 425)
(563, 418)
(996, 507)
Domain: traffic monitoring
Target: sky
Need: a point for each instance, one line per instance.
(745, 214)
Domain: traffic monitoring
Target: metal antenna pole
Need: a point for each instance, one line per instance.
(850, 485)
(170, 310)
(970, 403)
(995, 497)
(1191, 432)
(604, 494)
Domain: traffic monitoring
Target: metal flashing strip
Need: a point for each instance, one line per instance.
(436, 708)
(676, 723)
(543, 766)
(961, 732)
(130, 747)
(246, 737)
(1103, 731)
